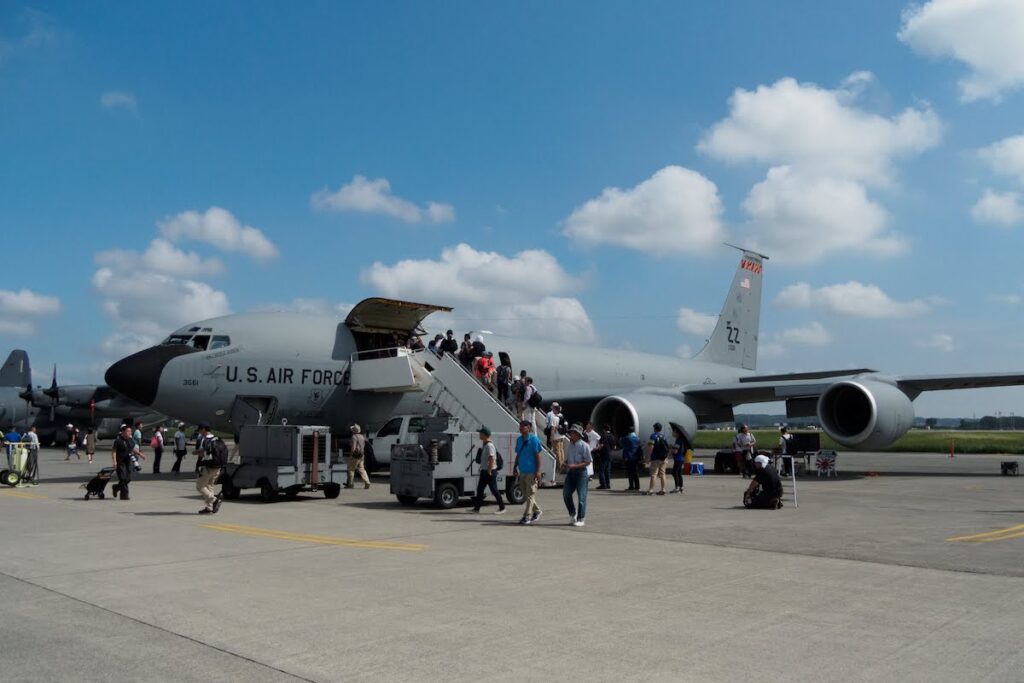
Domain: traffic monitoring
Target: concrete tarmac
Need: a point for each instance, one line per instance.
(905, 567)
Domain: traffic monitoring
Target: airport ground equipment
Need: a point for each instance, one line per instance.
(442, 467)
(1008, 467)
(285, 459)
(446, 384)
(17, 464)
(98, 484)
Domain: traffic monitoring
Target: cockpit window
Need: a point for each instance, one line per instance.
(201, 341)
(193, 329)
(219, 341)
(178, 339)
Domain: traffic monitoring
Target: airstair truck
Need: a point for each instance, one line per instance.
(442, 467)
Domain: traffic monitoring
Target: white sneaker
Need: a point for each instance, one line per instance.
(578, 522)
(572, 520)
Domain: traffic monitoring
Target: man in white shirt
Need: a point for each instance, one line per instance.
(180, 447)
(555, 442)
(743, 446)
(487, 458)
(576, 461)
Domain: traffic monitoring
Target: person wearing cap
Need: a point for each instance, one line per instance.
(553, 428)
(180, 447)
(527, 468)
(210, 468)
(72, 442)
(577, 459)
(121, 454)
(765, 490)
(356, 457)
(487, 458)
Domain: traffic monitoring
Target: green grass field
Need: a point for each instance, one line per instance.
(914, 441)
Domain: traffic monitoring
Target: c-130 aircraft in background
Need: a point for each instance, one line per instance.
(275, 365)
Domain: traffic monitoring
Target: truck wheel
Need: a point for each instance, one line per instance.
(9, 478)
(407, 500)
(228, 488)
(291, 494)
(267, 492)
(514, 494)
(447, 496)
(332, 490)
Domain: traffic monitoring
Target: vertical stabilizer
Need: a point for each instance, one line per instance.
(16, 372)
(734, 341)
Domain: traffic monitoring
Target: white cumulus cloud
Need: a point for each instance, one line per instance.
(695, 323)
(117, 99)
(986, 35)
(363, 195)
(162, 257)
(812, 334)
(819, 131)
(939, 341)
(851, 299)
(999, 208)
(798, 218)
(220, 228)
(675, 210)
(1006, 157)
(520, 294)
(824, 152)
(146, 305)
(25, 302)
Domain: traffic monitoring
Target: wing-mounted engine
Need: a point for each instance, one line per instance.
(642, 411)
(865, 414)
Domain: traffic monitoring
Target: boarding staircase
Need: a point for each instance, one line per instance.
(447, 386)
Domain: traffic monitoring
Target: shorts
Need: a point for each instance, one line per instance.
(658, 468)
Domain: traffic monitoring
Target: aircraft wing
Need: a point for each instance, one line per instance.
(943, 382)
(746, 391)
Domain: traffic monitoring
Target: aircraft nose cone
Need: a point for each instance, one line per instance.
(138, 375)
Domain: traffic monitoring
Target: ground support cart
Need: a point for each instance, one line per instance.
(286, 459)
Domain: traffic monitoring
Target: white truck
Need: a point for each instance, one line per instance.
(400, 429)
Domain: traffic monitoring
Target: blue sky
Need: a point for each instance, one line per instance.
(559, 169)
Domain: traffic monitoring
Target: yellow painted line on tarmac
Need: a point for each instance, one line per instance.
(996, 535)
(310, 538)
(22, 494)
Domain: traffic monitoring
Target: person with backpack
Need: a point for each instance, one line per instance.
(657, 458)
(531, 401)
(488, 459)
(518, 394)
(213, 461)
(680, 446)
(503, 381)
(527, 468)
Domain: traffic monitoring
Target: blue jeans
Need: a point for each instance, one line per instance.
(575, 480)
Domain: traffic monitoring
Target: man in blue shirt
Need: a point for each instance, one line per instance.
(631, 453)
(528, 470)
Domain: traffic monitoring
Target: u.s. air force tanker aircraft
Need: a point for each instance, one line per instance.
(272, 366)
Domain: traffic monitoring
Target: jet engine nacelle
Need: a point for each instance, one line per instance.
(642, 411)
(864, 414)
